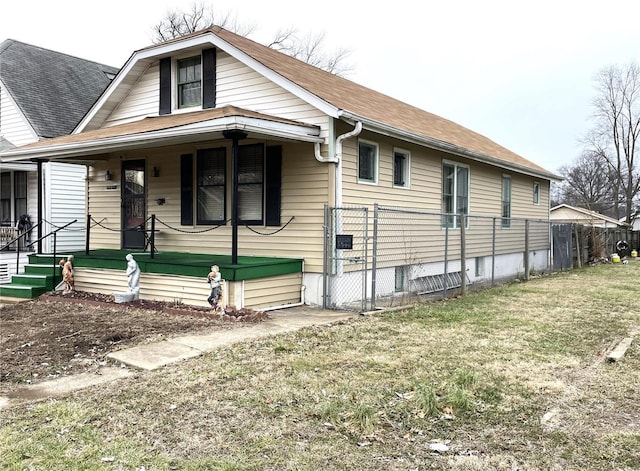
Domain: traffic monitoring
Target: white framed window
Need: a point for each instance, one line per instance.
(506, 201)
(367, 162)
(251, 183)
(189, 73)
(455, 193)
(13, 196)
(536, 192)
(211, 177)
(401, 168)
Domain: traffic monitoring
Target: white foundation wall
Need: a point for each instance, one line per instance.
(350, 286)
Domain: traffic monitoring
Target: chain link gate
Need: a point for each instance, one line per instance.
(346, 258)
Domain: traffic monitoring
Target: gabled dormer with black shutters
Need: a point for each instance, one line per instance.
(188, 82)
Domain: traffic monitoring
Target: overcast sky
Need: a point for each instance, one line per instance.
(521, 73)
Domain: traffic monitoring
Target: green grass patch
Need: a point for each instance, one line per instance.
(509, 378)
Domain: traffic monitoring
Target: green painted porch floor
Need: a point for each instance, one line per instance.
(187, 264)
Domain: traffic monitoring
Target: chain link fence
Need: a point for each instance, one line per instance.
(385, 257)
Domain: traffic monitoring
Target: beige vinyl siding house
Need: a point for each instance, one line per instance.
(179, 114)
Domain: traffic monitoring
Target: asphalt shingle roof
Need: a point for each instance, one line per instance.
(53, 90)
(370, 104)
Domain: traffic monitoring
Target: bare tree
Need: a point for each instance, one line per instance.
(588, 183)
(617, 129)
(198, 16)
(308, 48)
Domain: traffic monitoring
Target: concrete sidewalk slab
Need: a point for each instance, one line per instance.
(159, 354)
(64, 385)
(156, 355)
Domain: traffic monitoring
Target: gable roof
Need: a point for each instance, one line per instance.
(567, 213)
(336, 96)
(53, 90)
(378, 112)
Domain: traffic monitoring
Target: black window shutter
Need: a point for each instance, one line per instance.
(209, 78)
(165, 86)
(186, 189)
(273, 185)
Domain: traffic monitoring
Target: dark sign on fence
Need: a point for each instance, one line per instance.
(344, 241)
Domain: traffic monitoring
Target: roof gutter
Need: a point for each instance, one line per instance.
(446, 147)
(173, 135)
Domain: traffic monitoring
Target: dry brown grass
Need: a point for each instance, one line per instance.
(507, 378)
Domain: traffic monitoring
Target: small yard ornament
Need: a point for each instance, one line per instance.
(214, 278)
(67, 274)
(133, 275)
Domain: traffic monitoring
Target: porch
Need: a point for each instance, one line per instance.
(255, 282)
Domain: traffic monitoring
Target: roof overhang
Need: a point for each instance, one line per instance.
(19, 166)
(212, 129)
(445, 147)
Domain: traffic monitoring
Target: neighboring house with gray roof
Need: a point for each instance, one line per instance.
(237, 148)
(43, 95)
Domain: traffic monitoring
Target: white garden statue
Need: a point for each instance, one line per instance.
(133, 275)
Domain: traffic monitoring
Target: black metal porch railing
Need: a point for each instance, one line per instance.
(148, 234)
(53, 233)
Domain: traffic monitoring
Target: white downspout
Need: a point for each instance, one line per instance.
(337, 159)
(284, 306)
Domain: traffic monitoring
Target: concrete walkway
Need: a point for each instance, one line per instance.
(156, 355)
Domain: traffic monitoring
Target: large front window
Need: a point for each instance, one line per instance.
(455, 193)
(203, 183)
(250, 183)
(189, 82)
(211, 187)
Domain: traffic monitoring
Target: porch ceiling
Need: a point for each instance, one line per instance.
(166, 130)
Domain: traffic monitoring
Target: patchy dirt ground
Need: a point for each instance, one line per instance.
(60, 335)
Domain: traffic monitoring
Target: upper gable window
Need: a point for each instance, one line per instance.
(189, 82)
(367, 162)
(536, 193)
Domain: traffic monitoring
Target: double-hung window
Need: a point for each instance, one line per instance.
(367, 162)
(211, 180)
(455, 193)
(203, 183)
(5, 197)
(401, 166)
(506, 201)
(13, 192)
(189, 82)
(250, 183)
(536, 193)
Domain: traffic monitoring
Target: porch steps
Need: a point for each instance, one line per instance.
(37, 279)
(22, 291)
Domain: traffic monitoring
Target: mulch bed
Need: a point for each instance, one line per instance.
(61, 335)
(230, 313)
